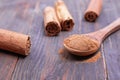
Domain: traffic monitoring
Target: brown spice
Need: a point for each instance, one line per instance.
(94, 58)
(14, 42)
(81, 43)
(64, 16)
(93, 10)
(88, 59)
(61, 51)
(51, 23)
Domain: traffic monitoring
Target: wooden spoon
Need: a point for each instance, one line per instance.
(95, 37)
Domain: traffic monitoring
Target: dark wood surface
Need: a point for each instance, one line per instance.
(44, 61)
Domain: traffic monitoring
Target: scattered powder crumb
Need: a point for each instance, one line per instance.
(60, 51)
(94, 58)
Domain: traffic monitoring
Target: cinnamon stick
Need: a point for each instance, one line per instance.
(14, 42)
(64, 17)
(51, 23)
(93, 10)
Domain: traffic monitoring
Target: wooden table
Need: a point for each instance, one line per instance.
(44, 61)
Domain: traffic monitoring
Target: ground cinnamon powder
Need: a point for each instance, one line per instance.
(90, 59)
(81, 43)
(95, 58)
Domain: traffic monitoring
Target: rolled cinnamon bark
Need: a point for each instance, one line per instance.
(93, 10)
(64, 17)
(14, 42)
(51, 23)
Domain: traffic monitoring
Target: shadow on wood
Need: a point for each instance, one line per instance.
(68, 56)
(11, 53)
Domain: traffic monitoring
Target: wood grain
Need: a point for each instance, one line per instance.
(45, 62)
(111, 45)
(13, 17)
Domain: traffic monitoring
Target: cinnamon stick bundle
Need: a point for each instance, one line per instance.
(93, 10)
(64, 17)
(51, 23)
(14, 42)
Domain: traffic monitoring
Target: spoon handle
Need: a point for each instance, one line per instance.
(101, 34)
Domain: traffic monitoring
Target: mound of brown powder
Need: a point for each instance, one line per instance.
(81, 43)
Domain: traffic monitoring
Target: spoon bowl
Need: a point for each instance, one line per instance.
(87, 44)
(82, 51)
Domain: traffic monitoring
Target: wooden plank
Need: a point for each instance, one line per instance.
(12, 17)
(45, 63)
(111, 44)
